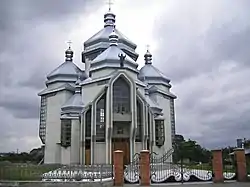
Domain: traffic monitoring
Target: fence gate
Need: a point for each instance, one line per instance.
(163, 170)
(229, 168)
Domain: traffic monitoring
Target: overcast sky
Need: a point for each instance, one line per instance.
(201, 45)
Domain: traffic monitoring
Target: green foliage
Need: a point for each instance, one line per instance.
(24, 172)
(190, 150)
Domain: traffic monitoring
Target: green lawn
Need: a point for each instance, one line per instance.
(24, 172)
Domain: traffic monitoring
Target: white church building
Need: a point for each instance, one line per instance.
(85, 115)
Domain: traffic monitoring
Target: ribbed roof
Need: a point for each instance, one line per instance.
(148, 71)
(75, 102)
(111, 57)
(65, 69)
(103, 36)
(112, 54)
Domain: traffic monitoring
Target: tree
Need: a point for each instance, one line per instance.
(191, 150)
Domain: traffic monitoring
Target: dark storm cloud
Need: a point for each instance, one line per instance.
(207, 58)
(32, 35)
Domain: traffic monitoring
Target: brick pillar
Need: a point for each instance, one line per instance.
(241, 169)
(145, 168)
(217, 163)
(118, 168)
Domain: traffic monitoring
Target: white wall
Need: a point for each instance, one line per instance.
(138, 147)
(53, 126)
(165, 105)
(100, 153)
(75, 142)
(89, 92)
(65, 155)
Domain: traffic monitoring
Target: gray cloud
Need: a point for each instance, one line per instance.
(207, 58)
(34, 35)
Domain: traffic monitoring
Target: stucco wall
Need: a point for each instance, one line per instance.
(53, 126)
(100, 153)
(75, 142)
(165, 105)
(138, 147)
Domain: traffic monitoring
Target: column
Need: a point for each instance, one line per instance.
(145, 168)
(75, 142)
(93, 132)
(217, 163)
(118, 168)
(241, 169)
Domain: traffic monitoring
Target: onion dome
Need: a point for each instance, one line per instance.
(150, 73)
(67, 71)
(100, 40)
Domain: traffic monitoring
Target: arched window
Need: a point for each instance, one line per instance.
(159, 132)
(139, 121)
(88, 124)
(101, 119)
(121, 96)
(65, 132)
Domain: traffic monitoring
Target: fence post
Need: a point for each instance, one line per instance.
(145, 168)
(217, 164)
(241, 167)
(118, 167)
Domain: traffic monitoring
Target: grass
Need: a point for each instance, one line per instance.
(24, 172)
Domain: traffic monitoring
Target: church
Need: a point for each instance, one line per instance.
(85, 115)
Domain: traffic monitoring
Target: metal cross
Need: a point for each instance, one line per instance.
(110, 3)
(69, 43)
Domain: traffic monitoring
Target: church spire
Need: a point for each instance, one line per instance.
(69, 53)
(109, 17)
(113, 39)
(148, 56)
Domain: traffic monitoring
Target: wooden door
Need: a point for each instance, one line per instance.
(87, 156)
(123, 145)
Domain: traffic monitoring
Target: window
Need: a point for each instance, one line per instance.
(88, 124)
(102, 115)
(120, 130)
(172, 118)
(159, 133)
(65, 132)
(43, 111)
(139, 121)
(100, 119)
(121, 96)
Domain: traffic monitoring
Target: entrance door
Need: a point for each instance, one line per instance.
(87, 152)
(123, 145)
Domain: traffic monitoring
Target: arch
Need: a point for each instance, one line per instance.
(131, 83)
(121, 96)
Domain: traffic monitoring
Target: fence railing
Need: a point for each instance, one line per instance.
(29, 172)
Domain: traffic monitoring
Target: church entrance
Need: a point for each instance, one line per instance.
(123, 145)
(87, 153)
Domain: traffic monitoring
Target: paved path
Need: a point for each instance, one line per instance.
(226, 184)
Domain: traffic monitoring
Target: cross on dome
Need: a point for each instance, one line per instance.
(69, 43)
(148, 56)
(109, 2)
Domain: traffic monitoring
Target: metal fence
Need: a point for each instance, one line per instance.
(29, 172)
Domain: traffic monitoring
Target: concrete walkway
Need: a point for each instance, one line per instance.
(225, 184)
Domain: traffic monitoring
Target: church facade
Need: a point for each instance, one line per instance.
(85, 115)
